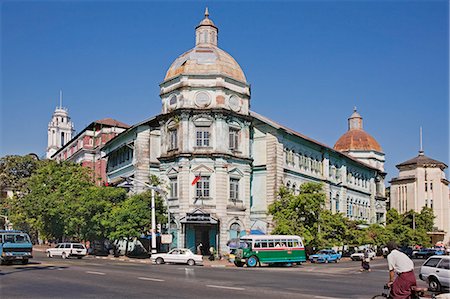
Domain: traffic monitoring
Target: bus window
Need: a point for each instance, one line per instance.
(290, 243)
(258, 244)
(295, 243)
(271, 243)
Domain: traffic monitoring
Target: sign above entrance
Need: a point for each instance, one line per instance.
(198, 216)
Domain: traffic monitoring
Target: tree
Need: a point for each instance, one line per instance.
(92, 214)
(14, 170)
(50, 197)
(132, 217)
(299, 214)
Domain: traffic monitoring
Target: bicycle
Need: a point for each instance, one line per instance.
(416, 293)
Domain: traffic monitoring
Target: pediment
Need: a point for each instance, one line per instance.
(172, 171)
(202, 169)
(236, 172)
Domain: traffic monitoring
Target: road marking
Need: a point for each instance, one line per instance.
(224, 287)
(324, 297)
(151, 279)
(96, 273)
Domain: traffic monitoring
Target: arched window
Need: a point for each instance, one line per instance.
(235, 231)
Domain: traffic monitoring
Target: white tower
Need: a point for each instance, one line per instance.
(60, 129)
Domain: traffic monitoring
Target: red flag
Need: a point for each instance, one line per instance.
(196, 179)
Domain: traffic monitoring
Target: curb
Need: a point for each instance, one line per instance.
(140, 261)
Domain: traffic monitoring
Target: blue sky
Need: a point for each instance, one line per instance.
(308, 62)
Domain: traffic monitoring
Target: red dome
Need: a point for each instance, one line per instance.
(357, 139)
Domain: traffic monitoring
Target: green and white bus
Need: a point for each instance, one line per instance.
(269, 249)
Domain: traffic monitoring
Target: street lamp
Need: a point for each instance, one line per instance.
(153, 189)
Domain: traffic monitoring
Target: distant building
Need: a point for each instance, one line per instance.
(60, 130)
(224, 164)
(85, 147)
(421, 182)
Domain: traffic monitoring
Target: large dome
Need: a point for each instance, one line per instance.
(357, 140)
(205, 60)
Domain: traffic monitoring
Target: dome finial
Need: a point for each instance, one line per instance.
(206, 13)
(354, 109)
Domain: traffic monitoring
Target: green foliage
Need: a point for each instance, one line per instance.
(132, 217)
(298, 214)
(14, 170)
(304, 215)
(50, 198)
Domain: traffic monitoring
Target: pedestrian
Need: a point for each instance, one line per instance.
(400, 264)
(211, 253)
(365, 263)
(199, 248)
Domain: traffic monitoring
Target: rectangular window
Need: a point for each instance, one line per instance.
(173, 139)
(203, 137)
(431, 186)
(173, 187)
(202, 187)
(426, 187)
(233, 139)
(234, 189)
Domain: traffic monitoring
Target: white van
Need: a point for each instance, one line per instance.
(65, 250)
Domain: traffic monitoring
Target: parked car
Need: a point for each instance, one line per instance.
(436, 272)
(427, 252)
(325, 256)
(179, 256)
(66, 250)
(359, 256)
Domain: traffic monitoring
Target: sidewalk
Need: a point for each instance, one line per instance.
(206, 262)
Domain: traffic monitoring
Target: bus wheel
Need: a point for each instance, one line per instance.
(238, 264)
(252, 261)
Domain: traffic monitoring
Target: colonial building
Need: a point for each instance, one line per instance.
(60, 129)
(224, 164)
(85, 147)
(421, 182)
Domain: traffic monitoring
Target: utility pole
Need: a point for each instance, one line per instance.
(153, 216)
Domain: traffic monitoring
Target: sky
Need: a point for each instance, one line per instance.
(308, 63)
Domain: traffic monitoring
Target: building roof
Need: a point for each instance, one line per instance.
(206, 58)
(422, 161)
(111, 122)
(356, 139)
(290, 131)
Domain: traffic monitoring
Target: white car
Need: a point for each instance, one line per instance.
(436, 272)
(359, 256)
(65, 250)
(179, 256)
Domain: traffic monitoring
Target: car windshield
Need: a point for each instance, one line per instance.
(324, 252)
(16, 238)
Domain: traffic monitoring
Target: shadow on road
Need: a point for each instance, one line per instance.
(29, 268)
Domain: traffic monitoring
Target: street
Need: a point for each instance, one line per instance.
(106, 278)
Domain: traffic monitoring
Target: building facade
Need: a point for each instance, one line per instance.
(421, 182)
(60, 130)
(85, 147)
(223, 164)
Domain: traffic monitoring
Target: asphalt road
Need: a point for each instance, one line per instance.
(99, 278)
